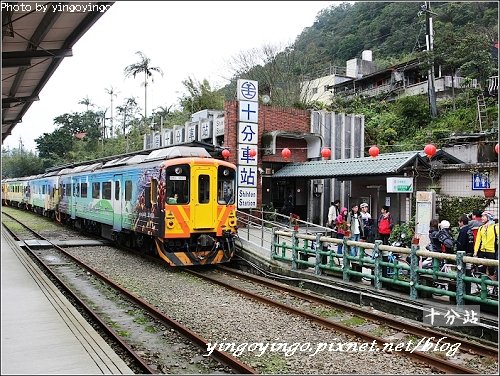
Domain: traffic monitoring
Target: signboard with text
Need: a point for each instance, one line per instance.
(399, 185)
(247, 198)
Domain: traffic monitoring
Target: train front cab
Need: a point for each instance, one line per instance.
(199, 229)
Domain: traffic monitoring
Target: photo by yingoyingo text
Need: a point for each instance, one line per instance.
(289, 349)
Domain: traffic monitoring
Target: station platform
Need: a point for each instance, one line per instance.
(42, 333)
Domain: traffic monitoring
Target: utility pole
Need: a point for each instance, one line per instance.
(431, 91)
(112, 93)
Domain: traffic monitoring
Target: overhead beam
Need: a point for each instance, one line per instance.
(6, 102)
(36, 54)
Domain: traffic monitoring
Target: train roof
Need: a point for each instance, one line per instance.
(213, 150)
(177, 152)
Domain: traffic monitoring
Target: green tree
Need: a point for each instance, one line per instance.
(55, 146)
(17, 163)
(200, 96)
(143, 66)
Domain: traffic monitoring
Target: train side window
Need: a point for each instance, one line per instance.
(96, 190)
(154, 191)
(62, 189)
(226, 182)
(43, 189)
(128, 190)
(147, 196)
(203, 189)
(76, 189)
(84, 190)
(117, 189)
(68, 189)
(106, 190)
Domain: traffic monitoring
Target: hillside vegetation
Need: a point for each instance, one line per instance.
(464, 32)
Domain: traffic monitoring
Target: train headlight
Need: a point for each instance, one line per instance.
(178, 170)
(225, 172)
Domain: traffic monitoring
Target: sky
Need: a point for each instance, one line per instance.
(184, 38)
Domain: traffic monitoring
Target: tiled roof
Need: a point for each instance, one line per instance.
(389, 163)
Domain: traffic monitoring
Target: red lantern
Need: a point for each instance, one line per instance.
(286, 153)
(496, 147)
(252, 153)
(326, 153)
(374, 151)
(225, 153)
(430, 150)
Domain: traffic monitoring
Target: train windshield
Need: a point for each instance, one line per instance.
(177, 184)
(226, 180)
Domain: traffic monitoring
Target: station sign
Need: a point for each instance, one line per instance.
(247, 198)
(399, 185)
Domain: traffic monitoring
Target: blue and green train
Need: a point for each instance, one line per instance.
(131, 200)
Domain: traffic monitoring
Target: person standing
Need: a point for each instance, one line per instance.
(367, 222)
(465, 238)
(356, 227)
(333, 213)
(444, 237)
(475, 222)
(486, 243)
(465, 243)
(385, 224)
(342, 227)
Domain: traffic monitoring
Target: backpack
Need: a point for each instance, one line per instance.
(446, 241)
(384, 225)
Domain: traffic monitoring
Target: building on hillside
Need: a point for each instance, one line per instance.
(364, 79)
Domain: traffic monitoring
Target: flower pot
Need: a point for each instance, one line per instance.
(489, 192)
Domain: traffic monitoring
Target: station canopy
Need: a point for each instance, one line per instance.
(36, 37)
(383, 164)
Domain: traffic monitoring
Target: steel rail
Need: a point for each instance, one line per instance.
(109, 331)
(442, 365)
(477, 348)
(201, 342)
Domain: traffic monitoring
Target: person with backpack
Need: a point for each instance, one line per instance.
(367, 222)
(465, 238)
(465, 243)
(444, 237)
(486, 244)
(385, 224)
(475, 222)
(333, 213)
(355, 223)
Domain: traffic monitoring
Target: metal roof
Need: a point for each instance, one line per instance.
(34, 42)
(389, 163)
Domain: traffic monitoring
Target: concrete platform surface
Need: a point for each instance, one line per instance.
(42, 333)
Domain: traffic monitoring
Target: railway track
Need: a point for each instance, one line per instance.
(466, 344)
(23, 232)
(420, 356)
(437, 363)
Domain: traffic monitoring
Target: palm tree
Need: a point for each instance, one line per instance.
(143, 66)
(86, 102)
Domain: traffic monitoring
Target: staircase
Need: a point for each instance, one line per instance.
(481, 112)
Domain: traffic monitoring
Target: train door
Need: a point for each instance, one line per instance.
(203, 216)
(117, 202)
(73, 199)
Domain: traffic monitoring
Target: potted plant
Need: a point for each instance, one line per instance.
(489, 192)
